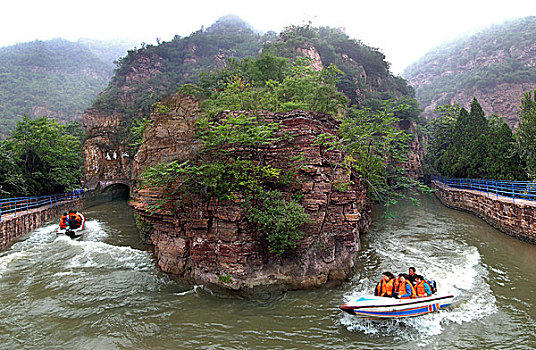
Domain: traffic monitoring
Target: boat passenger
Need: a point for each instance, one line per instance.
(405, 289)
(75, 220)
(412, 275)
(422, 287)
(397, 285)
(386, 286)
(64, 221)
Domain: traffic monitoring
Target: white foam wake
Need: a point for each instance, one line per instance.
(457, 269)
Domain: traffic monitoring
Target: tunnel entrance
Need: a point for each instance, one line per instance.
(116, 191)
(112, 192)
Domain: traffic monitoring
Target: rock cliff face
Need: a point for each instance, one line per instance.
(416, 150)
(210, 242)
(105, 154)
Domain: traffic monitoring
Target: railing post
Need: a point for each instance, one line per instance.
(513, 193)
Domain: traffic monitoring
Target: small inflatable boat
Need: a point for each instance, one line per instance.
(74, 233)
(382, 307)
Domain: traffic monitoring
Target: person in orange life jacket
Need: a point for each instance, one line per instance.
(397, 285)
(74, 220)
(64, 221)
(412, 275)
(422, 287)
(405, 289)
(386, 286)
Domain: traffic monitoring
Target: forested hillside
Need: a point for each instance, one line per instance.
(145, 76)
(231, 67)
(496, 66)
(55, 78)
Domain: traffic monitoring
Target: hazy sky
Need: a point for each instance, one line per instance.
(403, 30)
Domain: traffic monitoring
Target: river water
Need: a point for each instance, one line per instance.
(104, 292)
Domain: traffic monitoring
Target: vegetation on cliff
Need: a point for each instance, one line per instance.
(366, 79)
(466, 144)
(179, 61)
(41, 157)
(218, 172)
(231, 166)
(54, 78)
(500, 54)
(293, 86)
(146, 75)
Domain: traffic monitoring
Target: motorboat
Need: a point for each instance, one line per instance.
(383, 307)
(73, 233)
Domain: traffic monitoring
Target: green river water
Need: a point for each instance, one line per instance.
(104, 292)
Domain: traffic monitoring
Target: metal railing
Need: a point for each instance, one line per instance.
(512, 189)
(24, 204)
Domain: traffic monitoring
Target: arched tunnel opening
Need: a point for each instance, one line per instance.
(113, 192)
(116, 191)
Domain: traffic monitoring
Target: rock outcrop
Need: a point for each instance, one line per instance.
(209, 241)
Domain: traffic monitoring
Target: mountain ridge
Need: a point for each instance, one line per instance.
(495, 65)
(55, 78)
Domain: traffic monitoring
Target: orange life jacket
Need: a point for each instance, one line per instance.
(389, 288)
(420, 290)
(379, 288)
(397, 284)
(63, 221)
(402, 290)
(385, 289)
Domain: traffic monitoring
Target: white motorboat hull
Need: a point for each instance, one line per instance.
(382, 307)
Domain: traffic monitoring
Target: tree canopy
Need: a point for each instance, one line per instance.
(466, 144)
(526, 133)
(40, 157)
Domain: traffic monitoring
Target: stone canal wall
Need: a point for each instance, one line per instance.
(516, 218)
(12, 227)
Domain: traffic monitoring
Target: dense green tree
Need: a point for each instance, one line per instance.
(502, 159)
(526, 133)
(297, 87)
(40, 157)
(439, 132)
(12, 182)
(377, 150)
(470, 145)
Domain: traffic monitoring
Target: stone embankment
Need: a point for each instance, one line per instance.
(515, 217)
(13, 227)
